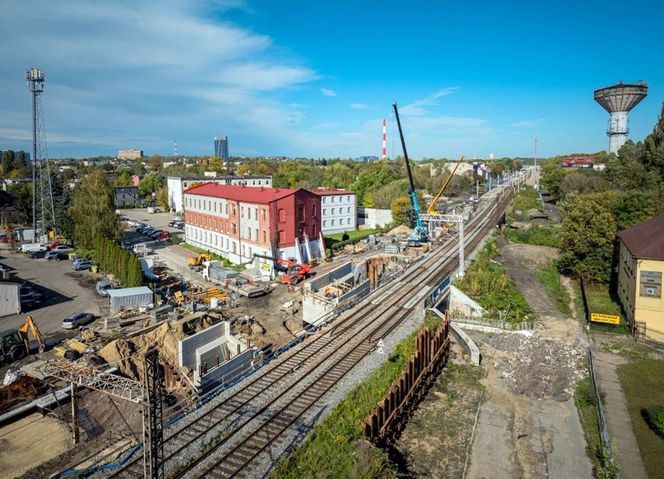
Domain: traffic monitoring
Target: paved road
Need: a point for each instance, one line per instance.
(66, 291)
(617, 415)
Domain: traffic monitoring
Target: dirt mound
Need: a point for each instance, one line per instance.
(127, 354)
(541, 368)
(400, 230)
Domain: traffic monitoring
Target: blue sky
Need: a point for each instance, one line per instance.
(310, 78)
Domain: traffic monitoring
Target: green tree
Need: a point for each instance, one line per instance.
(162, 198)
(589, 231)
(92, 211)
(552, 177)
(150, 184)
(134, 273)
(22, 193)
(401, 211)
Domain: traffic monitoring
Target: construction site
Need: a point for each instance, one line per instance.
(153, 356)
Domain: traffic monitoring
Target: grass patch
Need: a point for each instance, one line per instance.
(527, 199)
(600, 301)
(535, 235)
(578, 301)
(226, 262)
(643, 385)
(487, 283)
(584, 399)
(336, 237)
(549, 277)
(335, 448)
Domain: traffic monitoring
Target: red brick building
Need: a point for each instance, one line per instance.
(239, 222)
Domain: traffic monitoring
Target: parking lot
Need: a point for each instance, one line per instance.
(64, 291)
(158, 220)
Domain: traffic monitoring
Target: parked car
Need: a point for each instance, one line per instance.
(37, 254)
(82, 265)
(77, 319)
(62, 248)
(5, 239)
(164, 235)
(103, 287)
(179, 225)
(57, 255)
(52, 245)
(155, 234)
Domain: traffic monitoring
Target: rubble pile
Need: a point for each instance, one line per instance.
(541, 368)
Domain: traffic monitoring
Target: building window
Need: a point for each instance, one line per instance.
(332, 222)
(332, 210)
(348, 198)
(324, 222)
(263, 213)
(282, 236)
(349, 209)
(314, 211)
(332, 199)
(325, 212)
(242, 211)
(264, 237)
(233, 228)
(282, 215)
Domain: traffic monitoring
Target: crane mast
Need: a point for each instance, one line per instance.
(420, 233)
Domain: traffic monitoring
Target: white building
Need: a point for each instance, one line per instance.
(373, 218)
(178, 184)
(339, 208)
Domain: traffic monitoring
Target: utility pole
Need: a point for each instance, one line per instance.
(153, 436)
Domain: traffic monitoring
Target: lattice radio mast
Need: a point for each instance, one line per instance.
(41, 171)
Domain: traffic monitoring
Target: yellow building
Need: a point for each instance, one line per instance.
(640, 271)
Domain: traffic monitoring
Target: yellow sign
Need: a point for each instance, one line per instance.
(605, 318)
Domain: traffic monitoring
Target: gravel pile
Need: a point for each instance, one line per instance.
(541, 368)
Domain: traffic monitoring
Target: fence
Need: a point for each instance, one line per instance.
(601, 419)
(495, 323)
(387, 419)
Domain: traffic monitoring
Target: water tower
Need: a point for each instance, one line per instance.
(618, 100)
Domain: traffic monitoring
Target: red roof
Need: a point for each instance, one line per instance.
(580, 159)
(247, 194)
(331, 192)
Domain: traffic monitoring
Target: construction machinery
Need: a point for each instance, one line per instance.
(196, 263)
(420, 234)
(29, 326)
(294, 272)
(15, 345)
(432, 207)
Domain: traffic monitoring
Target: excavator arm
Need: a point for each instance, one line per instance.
(432, 207)
(29, 326)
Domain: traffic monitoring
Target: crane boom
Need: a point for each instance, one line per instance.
(420, 233)
(432, 207)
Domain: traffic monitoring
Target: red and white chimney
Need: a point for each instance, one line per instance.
(384, 151)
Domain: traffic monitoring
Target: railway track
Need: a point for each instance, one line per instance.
(261, 412)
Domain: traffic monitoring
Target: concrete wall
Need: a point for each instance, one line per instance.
(228, 372)
(320, 281)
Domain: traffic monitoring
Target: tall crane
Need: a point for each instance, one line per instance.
(432, 207)
(420, 233)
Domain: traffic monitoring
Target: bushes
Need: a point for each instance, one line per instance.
(654, 416)
(119, 262)
(550, 279)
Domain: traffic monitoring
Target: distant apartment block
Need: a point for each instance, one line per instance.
(221, 147)
(130, 154)
(178, 184)
(339, 210)
(239, 222)
(126, 197)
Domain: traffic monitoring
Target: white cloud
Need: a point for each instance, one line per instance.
(527, 123)
(418, 107)
(141, 74)
(359, 106)
(328, 92)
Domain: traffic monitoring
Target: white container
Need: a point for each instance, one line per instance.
(214, 303)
